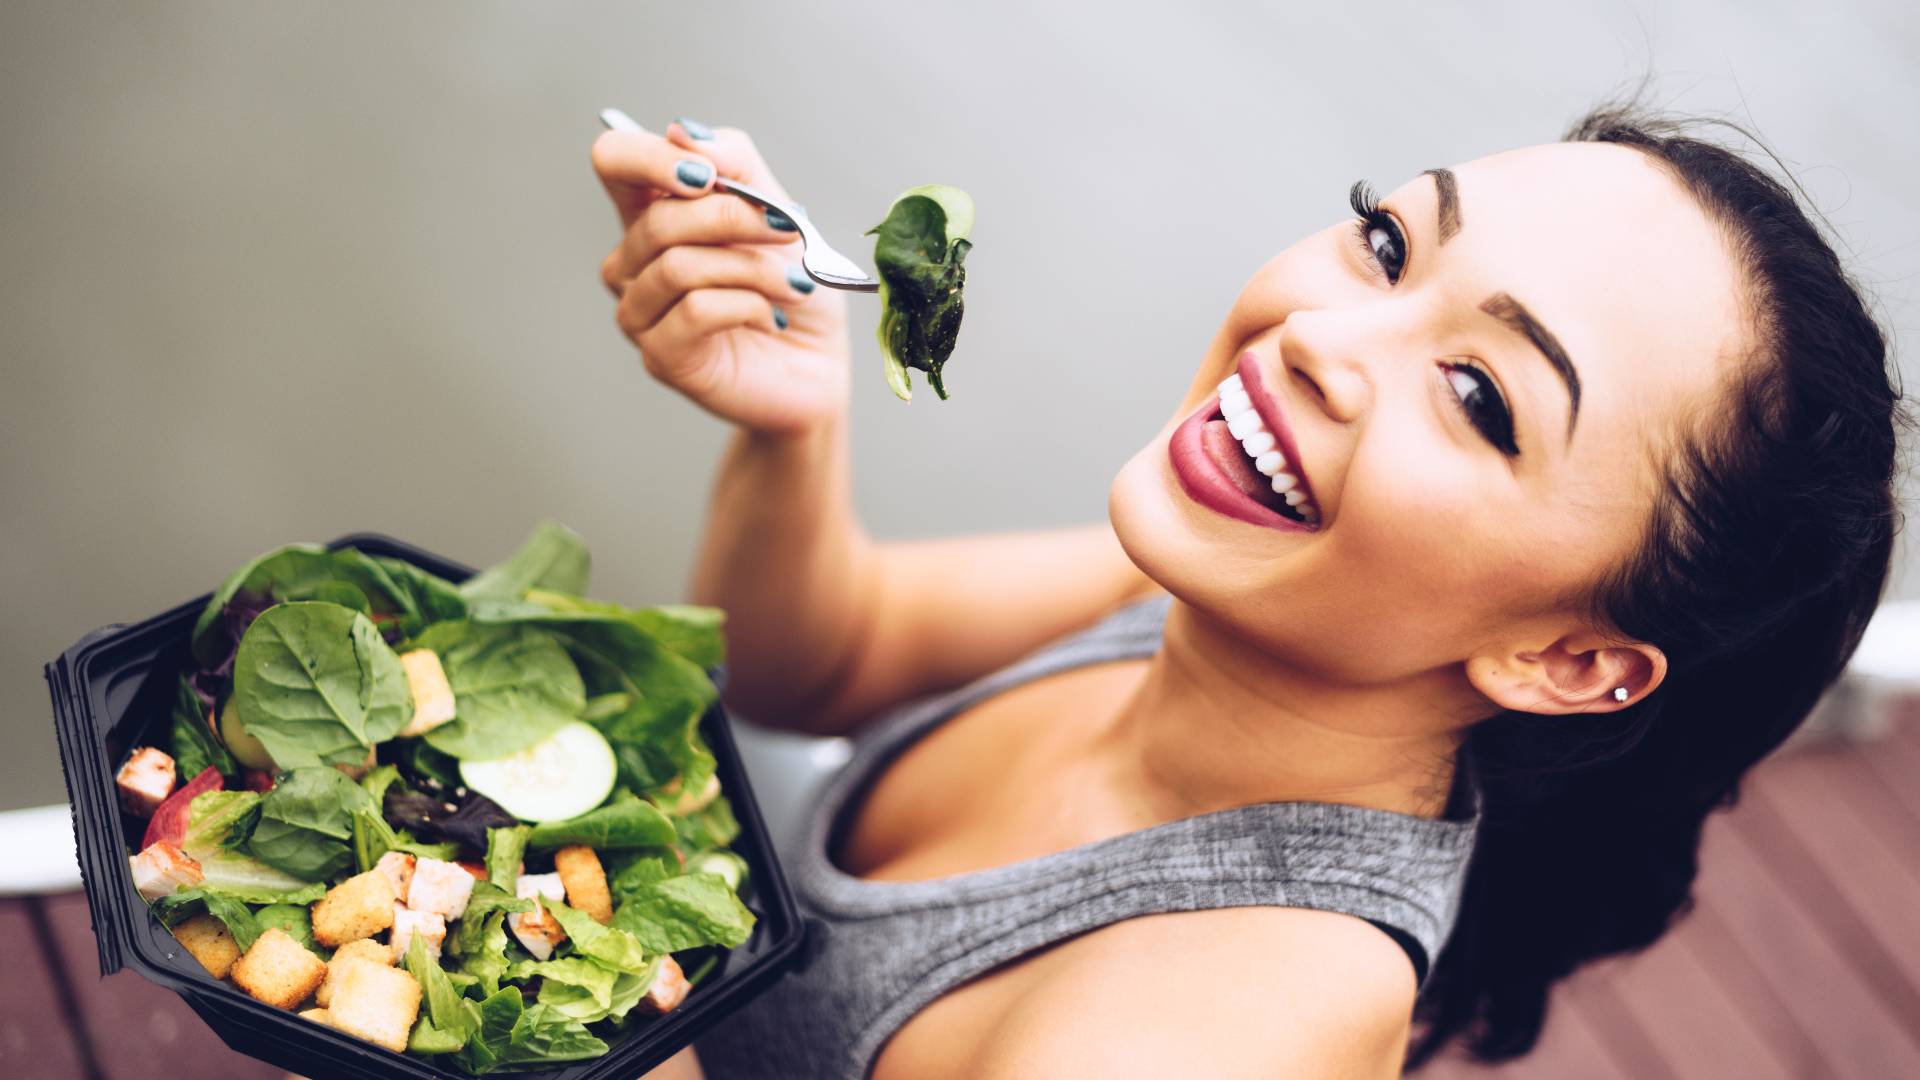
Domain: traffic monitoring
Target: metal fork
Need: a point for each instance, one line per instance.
(821, 262)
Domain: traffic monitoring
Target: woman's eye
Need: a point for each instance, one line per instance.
(1480, 401)
(1385, 244)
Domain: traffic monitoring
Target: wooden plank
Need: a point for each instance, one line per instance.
(1804, 815)
(37, 1041)
(1731, 963)
(137, 1030)
(1858, 1034)
(1569, 1049)
(1896, 761)
(1693, 1026)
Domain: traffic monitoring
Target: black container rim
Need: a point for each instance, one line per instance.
(279, 1036)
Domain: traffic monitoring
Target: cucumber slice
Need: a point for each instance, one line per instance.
(246, 749)
(563, 775)
(731, 868)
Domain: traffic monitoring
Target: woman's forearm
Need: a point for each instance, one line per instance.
(785, 557)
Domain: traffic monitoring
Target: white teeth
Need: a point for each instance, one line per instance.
(1231, 382)
(1295, 498)
(1269, 462)
(1284, 482)
(1244, 424)
(1234, 402)
(1259, 443)
(1310, 514)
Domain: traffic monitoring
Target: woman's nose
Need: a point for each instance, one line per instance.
(1320, 352)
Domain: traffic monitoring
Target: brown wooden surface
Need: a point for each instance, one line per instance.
(1801, 960)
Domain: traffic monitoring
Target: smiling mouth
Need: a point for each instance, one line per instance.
(1238, 442)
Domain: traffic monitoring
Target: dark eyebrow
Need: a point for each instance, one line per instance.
(1514, 314)
(1449, 189)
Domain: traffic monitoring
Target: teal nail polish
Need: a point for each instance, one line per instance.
(694, 173)
(798, 278)
(781, 221)
(695, 128)
(779, 318)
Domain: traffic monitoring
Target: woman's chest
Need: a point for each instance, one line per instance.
(1007, 780)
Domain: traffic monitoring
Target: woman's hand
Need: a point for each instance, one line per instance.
(711, 292)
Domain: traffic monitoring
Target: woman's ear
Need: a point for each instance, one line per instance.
(1578, 672)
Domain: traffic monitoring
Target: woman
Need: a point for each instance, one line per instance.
(1502, 529)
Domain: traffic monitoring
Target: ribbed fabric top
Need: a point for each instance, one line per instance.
(879, 952)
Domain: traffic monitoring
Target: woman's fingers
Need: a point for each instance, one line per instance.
(670, 223)
(682, 270)
(731, 151)
(636, 167)
(667, 347)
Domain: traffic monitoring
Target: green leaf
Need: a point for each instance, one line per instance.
(505, 849)
(376, 783)
(573, 986)
(316, 684)
(296, 920)
(435, 598)
(513, 685)
(919, 256)
(373, 837)
(554, 557)
(613, 947)
(230, 910)
(444, 1005)
(643, 868)
(298, 572)
(695, 633)
(306, 821)
(625, 822)
(304, 853)
(192, 741)
(212, 820)
(684, 913)
(479, 937)
(709, 828)
(543, 1035)
(498, 1015)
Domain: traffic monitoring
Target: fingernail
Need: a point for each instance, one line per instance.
(695, 128)
(797, 277)
(781, 221)
(694, 173)
(779, 318)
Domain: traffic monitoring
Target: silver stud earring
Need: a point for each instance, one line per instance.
(1619, 693)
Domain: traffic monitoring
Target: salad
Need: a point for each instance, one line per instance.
(473, 821)
(919, 256)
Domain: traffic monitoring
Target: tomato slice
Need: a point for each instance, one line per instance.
(169, 821)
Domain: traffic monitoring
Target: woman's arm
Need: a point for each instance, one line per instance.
(1238, 992)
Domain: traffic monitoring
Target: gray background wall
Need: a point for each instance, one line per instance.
(278, 271)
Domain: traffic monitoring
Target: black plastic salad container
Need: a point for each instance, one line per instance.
(111, 692)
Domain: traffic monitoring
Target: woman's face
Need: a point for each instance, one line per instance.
(1417, 381)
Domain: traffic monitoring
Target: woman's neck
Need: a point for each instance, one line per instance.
(1216, 723)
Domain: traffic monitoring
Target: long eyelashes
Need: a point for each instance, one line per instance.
(1380, 236)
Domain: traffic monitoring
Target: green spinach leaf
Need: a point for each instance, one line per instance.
(513, 685)
(296, 920)
(306, 822)
(230, 910)
(919, 255)
(214, 820)
(627, 821)
(554, 557)
(299, 572)
(434, 598)
(317, 685)
(192, 741)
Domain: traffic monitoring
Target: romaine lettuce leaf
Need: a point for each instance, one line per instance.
(611, 946)
(684, 913)
(453, 1017)
(211, 818)
(231, 911)
(505, 848)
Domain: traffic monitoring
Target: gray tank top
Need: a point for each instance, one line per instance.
(879, 952)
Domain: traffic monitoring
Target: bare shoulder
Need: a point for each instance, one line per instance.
(1234, 992)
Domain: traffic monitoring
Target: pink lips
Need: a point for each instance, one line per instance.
(1268, 407)
(1203, 479)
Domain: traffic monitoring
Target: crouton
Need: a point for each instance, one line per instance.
(145, 781)
(279, 970)
(398, 866)
(358, 907)
(585, 881)
(440, 887)
(376, 1003)
(538, 930)
(162, 869)
(669, 987)
(365, 949)
(432, 697)
(208, 940)
(318, 1016)
(408, 923)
